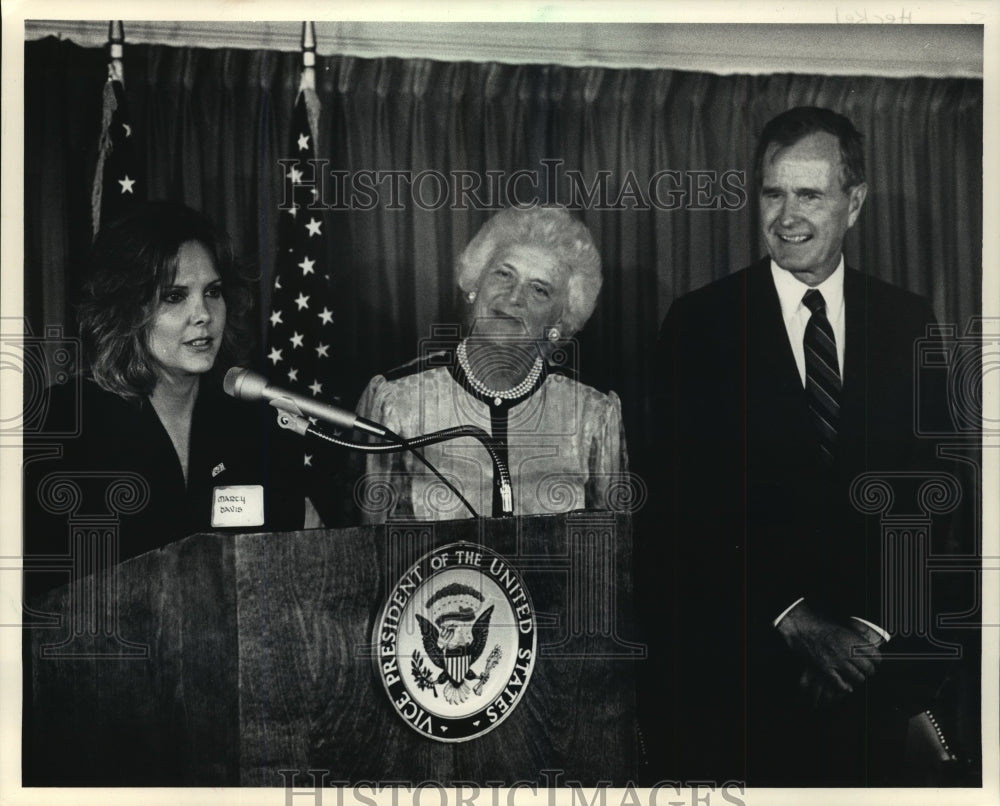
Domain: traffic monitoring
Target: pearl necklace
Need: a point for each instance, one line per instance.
(499, 396)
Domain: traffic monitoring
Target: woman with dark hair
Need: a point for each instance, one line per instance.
(135, 262)
(164, 312)
(531, 279)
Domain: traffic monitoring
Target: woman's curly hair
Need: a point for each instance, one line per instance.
(552, 229)
(133, 259)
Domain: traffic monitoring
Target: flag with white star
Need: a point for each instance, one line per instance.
(301, 331)
(119, 181)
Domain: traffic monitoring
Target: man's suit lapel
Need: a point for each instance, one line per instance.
(779, 430)
(857, 351)
(771, 354)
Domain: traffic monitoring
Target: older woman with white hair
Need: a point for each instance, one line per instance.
(531, 279)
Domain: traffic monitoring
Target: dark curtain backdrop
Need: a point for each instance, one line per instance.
(213, 124)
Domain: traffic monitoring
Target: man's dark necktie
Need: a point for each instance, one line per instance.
(822, 374)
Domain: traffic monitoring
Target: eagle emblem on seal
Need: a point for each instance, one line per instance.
(455, 636)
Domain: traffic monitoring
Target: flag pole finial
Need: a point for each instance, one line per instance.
(307, 81)
(308, 45)
(116, 50)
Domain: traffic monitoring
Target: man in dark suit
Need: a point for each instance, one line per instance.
(778, 386)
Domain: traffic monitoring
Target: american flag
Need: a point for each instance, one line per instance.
(301, 330)
(119, 181)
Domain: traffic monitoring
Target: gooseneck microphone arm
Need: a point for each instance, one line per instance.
(294, 408)
(412, 445)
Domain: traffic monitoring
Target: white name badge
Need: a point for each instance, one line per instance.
(238, 505)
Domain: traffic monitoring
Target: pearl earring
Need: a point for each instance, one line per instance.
(553, 334)
(471, 296)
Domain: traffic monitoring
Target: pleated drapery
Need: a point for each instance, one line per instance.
(213, 124)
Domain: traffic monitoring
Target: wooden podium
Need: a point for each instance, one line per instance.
(244, 659)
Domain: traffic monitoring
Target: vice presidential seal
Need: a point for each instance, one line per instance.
(456, 642)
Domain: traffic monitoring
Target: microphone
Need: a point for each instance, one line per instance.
(246, 384)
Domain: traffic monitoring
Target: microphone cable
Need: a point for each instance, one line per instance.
(400, 444)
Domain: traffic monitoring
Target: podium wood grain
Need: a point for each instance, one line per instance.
(258, 662)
